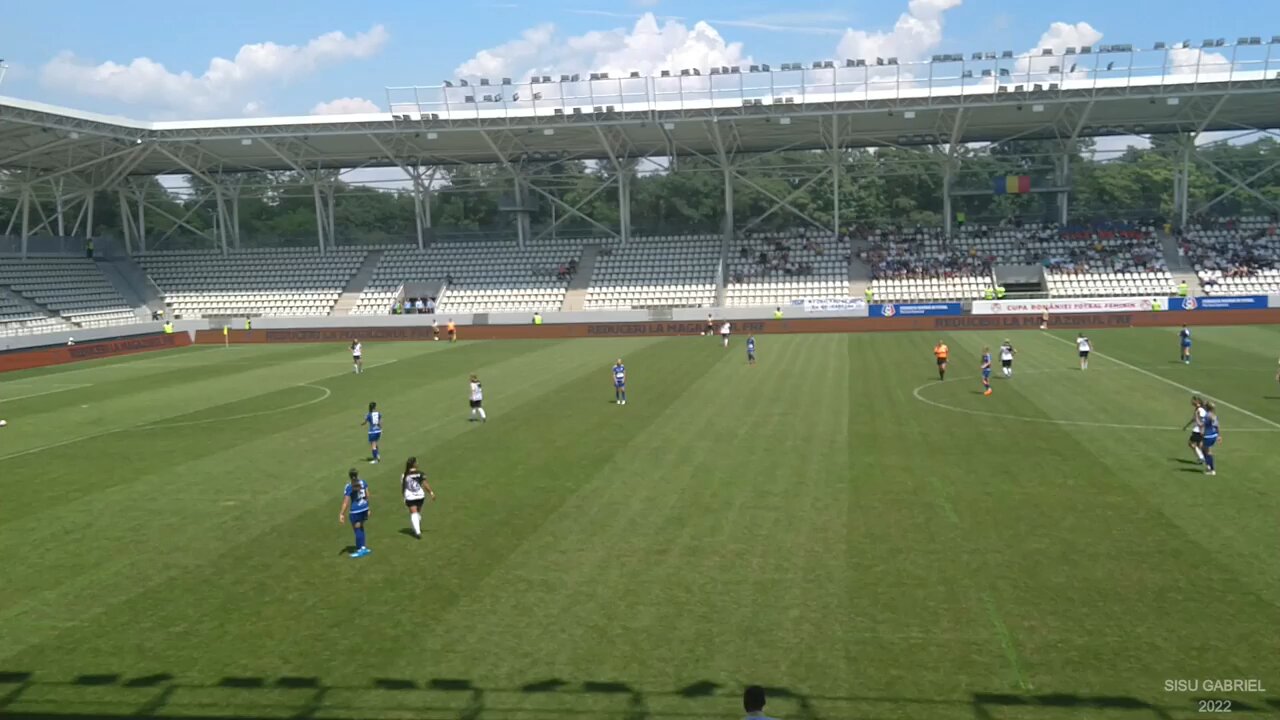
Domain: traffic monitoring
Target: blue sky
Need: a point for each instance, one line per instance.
(87, 55)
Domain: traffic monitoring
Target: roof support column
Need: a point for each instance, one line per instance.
(948, 216)
(235, 215)
(837, 148)
(26, 218)
(1181, 182)
(1063, 168)
(142, 219)
(520, 188)
(126, 219)
(624, 201)
(88, 213)
(59, 208)
(419, 221)
(321, 225)
(726, 169)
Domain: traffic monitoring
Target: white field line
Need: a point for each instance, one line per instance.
(58, 389)
(1178, 385)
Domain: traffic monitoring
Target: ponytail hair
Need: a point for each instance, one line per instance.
(410, 464)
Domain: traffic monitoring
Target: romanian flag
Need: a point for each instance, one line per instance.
(1012, 185)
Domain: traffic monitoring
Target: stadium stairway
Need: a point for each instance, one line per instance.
(575, 296)
(859, 276)
(1172, 257)
(133, 285)
(355, 287)
(1180, 270)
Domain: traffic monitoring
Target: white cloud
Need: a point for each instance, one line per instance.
(1058, 38)
(225, 86)
(346, 106)
(917, 31)
(647, 47)
(1185, 61)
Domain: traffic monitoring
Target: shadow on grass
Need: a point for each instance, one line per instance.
(233, 698)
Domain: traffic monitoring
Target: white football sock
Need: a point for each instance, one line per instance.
(416, 519)
(1199, 453)
(481, 411)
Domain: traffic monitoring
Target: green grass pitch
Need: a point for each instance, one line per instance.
(833, 524)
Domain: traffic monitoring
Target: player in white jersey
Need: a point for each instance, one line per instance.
(724, 333)
(1083, 346)
(413, 483)
(1196, 423)
(357, 353)
(1006, 358)
(477, 400)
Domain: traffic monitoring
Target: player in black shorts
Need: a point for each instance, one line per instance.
(1196, 423)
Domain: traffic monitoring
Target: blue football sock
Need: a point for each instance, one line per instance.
(375, 453)
(1208, 460)
(624, 396)
(359, 537)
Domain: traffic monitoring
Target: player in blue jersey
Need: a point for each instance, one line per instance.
(1209, 438)
(1184, 341)
(374, 420)
(355, 505)
(751, 349)
(619, 383)
(986, 371)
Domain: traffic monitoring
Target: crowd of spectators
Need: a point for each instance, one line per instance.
(1230, 248)
(1107, 248)
(928, 253)
(795, 253)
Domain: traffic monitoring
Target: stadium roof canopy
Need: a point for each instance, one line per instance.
(820, 107)
(726, 115)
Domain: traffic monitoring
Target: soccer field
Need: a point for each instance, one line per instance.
(832, 523)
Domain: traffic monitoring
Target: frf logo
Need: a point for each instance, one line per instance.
(888, 311)
(1189, 303)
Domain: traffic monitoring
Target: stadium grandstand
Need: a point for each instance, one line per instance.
(782, 236)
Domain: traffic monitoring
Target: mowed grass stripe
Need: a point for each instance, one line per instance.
(246, 467)
(808, 524)
(287, 498)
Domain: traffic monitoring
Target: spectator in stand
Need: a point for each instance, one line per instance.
(431, 306)
(420, 307)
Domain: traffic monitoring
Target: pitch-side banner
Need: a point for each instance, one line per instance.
(837, 304)
(1241, 302)
(1069, 305)
(916, 309)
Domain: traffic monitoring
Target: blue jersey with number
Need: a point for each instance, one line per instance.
(751, 346)
(619, 376)
(986, 365)
(1185, 336)
(1210, 432)
(374, 421)
(359, 494)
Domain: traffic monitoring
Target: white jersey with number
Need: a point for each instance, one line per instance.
(1082, 344)
(412, 485)
(724, 329)
(477, 392)
(357, 350)
(1197, 420)
(1006, 353)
